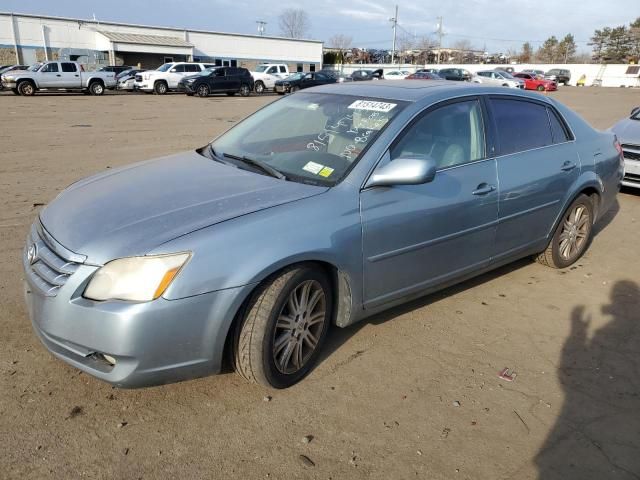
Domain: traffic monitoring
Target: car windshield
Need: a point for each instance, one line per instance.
(295, 76)
(165, 67)
(310, 137)
(553, 72)
(125, 73)
(261, 68)
(35, 67)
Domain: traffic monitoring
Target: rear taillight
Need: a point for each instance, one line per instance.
(616, 144)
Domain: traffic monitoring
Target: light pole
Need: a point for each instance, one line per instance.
(395, 26)
(439, 38)
(262, 26)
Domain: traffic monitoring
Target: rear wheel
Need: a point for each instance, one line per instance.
(572, 235)
(203, 90)
(283, 327)
(160, 88)
(245, 91)
(96, 88)
(27, 88)
(294, 89)
(540, 88)
(259, 87)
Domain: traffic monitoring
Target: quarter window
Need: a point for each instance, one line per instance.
(521, 125)
(558, 130)
(451, 135)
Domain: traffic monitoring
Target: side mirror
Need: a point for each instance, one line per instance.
(404, 171)
(173, 70)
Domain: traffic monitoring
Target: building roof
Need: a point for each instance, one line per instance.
(140, 39)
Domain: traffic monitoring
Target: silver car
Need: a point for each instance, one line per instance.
(319, 210)
(628, 132)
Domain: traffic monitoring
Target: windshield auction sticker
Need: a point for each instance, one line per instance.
(313, 167)
(372, 106)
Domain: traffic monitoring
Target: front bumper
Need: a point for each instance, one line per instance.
(631, 173)
(144, 86)
(282, 88)
(185, 88)
(153, 343)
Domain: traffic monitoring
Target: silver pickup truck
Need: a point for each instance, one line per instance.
(57, 76)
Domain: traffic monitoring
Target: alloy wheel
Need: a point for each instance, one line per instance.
(575, 232)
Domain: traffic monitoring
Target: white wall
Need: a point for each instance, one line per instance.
(612, 76)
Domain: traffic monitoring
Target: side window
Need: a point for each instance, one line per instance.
(68, 67)
(558, 129)
(283, 69)
(50, 67)
(192, 68)
(272, 70)
(452, 135)
(179, 68)
(521, 125)
(209, 65)
(234, 63)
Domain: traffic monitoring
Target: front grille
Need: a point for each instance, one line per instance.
(631, 152)
(46, 267)
(138, 78)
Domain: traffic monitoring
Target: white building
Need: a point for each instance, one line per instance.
(26, 39)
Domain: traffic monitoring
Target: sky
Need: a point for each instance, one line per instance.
(495, 25)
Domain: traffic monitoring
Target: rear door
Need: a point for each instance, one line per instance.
(419, 236)
(70, 75)
(537, 165)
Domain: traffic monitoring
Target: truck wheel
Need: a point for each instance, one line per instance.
(283, 327)
(160, 88)
(203, 90)
(259, 87)
(245, 91)
(540, 88)
(15, 91)
(572, 235)
(96, 88)
(27, 88)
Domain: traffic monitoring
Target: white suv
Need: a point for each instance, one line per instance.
(167, 76)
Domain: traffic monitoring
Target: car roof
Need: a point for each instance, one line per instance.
(417, 90)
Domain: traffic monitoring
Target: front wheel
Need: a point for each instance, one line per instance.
(27, 89)
(294, 89)
(572, 236)
(259, 87)
(203, 90)
(540, 88)
(245, 91)
(160, 88)
(283, 327)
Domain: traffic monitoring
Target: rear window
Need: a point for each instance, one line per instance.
(522, 125)
(68, 67)
(559, 130)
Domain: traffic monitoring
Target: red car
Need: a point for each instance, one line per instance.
(423, 76)
(532, 82)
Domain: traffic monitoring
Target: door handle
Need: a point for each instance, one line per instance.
(77, 75)
(483, 189)
(58, 75)
(568, 166)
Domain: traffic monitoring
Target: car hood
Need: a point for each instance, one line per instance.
(628, 131)
(130, 211)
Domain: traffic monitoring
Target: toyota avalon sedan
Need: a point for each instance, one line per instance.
(317, 211)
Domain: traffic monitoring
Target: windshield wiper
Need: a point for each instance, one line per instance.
(257, 163)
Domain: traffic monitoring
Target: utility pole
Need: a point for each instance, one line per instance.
(395, 27)
(439, 38)
(262, 26)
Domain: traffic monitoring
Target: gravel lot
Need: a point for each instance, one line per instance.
(411, 393)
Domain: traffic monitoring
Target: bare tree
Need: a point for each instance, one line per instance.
(341, 43)
(294, 23)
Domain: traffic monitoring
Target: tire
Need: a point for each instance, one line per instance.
(259, 87)
(280, 93)
(96, 88)
(203, 90)
(160, 88)
(245, 90)
(27, 88)
(273, 343)
(573, 231)
(540, 88)
(15, 91)
(505, 85)
(294, 89)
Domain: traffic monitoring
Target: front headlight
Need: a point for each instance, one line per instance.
(138, 279)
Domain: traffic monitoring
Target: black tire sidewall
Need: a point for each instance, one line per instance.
(22, 86)
(259, 87)
(245, 90)
(555, 251)
(273, 375)
(203, 88)
(160, 88)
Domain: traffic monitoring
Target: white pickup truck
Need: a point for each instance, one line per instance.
(266, 74)
(57, 76)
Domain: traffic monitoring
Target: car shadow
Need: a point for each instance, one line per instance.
(607, 218)
(596, 434)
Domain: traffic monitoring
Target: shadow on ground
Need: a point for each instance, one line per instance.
(597, 434)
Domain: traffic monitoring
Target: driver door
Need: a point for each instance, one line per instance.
(419, 236)
(49, 75)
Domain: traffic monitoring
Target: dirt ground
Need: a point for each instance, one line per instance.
(411, 393)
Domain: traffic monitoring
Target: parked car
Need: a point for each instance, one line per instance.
(628, 132)
(499, 78)
(427, 70)
(265, 75)
(559, 75)
(322, 208)
(10, 68)
(396, 75)
(117, 69)
(364, 75)
(534, 82)
(301, 80)
(126, 79)
(534, 72)
(49, 76)
(456, 74)
(167, 77)
(229, 80)
(424, 76)
(508, 69)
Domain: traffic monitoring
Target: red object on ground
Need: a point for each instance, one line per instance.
(531, 82)
(505, 375)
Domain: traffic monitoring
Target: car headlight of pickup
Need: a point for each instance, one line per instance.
(138, 279)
